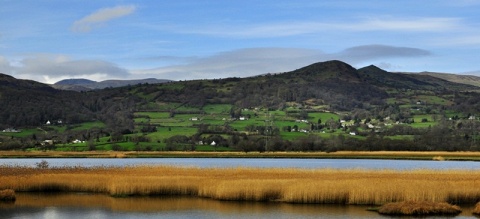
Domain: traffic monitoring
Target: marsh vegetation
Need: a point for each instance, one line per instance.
(320, 186)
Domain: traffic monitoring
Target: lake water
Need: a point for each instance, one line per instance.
(96, 206)
(250, 162)
(73, 205)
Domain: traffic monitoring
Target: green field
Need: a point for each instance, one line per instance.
(185, 121)
(313, 117)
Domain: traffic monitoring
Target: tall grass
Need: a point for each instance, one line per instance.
(251, 184)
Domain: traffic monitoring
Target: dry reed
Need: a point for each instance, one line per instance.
(254, 184)
(419, 208)
(7, 195)
(476, 210)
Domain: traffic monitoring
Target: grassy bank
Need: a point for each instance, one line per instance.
(419, 208)
(403, 155)
(250, 184)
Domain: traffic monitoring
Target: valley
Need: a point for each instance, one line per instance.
(328, 106)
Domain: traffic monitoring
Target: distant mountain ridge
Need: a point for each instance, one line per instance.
(75, 81)
(86, 84)
(463, 79)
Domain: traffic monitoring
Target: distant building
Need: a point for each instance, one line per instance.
(48, 142)
(11, 130)
(48, 122)
(76, 141)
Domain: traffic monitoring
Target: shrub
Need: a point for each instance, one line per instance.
(7, 195)
(419, 208)
(42, 164)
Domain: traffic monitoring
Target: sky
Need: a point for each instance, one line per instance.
(52, 40)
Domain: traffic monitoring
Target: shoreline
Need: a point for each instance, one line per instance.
(386, 155)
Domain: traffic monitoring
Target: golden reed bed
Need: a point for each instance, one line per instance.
(353, 186)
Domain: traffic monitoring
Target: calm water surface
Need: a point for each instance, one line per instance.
(74, 206)
(250, 162)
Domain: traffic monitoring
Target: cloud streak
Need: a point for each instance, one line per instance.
(385, 23)
(255, 61)
(87, 23)
(371, 52)
(52, 68)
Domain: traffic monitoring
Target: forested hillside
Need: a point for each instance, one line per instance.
(321, 107)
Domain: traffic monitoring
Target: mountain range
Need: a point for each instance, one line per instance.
(334, 85)
(81, 84)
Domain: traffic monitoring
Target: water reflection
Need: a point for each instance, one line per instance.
(74, 205)
(38, 205)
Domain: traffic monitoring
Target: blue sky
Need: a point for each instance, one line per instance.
(51, 40)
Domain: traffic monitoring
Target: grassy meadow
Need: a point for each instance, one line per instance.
(307, 186)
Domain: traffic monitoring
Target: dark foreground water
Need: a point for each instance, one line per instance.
(72, 206)
(250, 162)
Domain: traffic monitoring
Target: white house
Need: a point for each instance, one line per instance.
(48, 122)
(10, 130)
(76, 141)
(213, 143)
(353, 133)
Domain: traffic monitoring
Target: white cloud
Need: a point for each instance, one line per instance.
(420, 24)
(255, 61)
(469, 39)
(372, 52)
(5, 66)
(379, 23)
(101, 16)
(52, 68)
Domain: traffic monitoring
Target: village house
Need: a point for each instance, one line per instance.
(11, 130)
(76, 141)
(47, 142)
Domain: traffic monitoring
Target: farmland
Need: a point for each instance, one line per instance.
(202, 126)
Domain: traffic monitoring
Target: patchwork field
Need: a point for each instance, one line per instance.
(153, 129)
